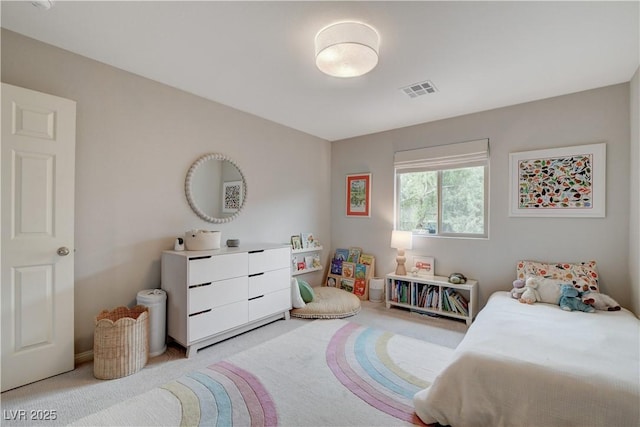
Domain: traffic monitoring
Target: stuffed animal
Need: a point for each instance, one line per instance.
(600, 301)
(530, 294)
(518, 288)
(457, 278)
(570, 300)
(546, 290)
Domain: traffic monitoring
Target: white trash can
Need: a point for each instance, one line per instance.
(156, 301)
(376, 289)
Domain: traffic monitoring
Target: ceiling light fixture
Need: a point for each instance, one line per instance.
(43, 4)
(347, 49)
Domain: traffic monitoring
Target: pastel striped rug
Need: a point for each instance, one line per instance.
(326, 373)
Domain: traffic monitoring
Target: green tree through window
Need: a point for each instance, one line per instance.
(443, 202)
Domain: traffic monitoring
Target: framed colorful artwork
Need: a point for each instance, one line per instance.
(231, 196)
(558, 182)
(425, 266)
(359, 195)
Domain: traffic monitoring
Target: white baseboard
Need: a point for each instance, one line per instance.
(86, 356)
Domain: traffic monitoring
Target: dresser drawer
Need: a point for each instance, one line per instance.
(217, 320)
(269, 304)
(219, 267)
(270, 281)
(215, 294)
(269, 259)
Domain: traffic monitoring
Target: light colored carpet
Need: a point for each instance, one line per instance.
(326, 373)
(78, 394)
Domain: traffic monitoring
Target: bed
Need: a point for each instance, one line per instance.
(537, 365)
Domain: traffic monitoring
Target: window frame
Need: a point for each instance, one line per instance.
(438, 166)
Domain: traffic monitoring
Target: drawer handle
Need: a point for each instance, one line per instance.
(256, 251)
(201, 284)
(200, 257)
(200, 312)
(256, 274)
(251, 299)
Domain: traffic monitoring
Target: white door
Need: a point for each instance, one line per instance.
(37, 220)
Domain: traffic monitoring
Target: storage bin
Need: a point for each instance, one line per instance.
(376, 289)
(120, 342)
(202, 240)
(156, 301)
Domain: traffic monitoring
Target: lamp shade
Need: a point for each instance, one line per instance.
(347, 49)
(401, 239)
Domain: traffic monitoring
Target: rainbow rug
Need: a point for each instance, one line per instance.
(326, 373)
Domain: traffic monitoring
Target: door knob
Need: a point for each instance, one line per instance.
(63, 251)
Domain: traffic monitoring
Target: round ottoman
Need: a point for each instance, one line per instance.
(329, 303)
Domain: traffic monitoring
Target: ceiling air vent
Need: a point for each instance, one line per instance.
(418, 89)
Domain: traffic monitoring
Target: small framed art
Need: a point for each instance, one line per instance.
(308, 241)
(425, 266)
(296, 242)
(358, 192)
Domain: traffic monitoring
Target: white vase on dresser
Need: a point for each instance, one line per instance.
(214, 295)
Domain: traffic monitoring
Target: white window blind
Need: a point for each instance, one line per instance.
(459, 155)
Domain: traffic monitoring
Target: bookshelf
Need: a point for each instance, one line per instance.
(350, 270)
(433, 295)
(305, 252)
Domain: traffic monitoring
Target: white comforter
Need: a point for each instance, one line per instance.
(537, 365)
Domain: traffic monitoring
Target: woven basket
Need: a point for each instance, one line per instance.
(120, 342)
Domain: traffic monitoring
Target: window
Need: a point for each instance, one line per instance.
(443, 190)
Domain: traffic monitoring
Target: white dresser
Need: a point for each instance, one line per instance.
(214, 295)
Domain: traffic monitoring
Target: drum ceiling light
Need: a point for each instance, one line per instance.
(347, 49)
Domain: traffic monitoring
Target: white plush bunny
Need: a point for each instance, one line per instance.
(530, 294)
(600, 301)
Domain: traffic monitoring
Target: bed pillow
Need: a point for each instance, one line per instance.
(583, 276)
(296, 298)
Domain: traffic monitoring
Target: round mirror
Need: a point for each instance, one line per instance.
(216, 189)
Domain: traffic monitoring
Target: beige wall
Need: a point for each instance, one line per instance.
(136, 139)
(634, 216)
(135, 142)
(600, 115)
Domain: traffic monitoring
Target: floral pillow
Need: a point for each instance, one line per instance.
(583, 276)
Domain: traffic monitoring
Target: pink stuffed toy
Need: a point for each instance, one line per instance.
(518, 288)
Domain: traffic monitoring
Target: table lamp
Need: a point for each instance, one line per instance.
(401, 240)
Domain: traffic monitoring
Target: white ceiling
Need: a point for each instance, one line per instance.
(258, 57)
